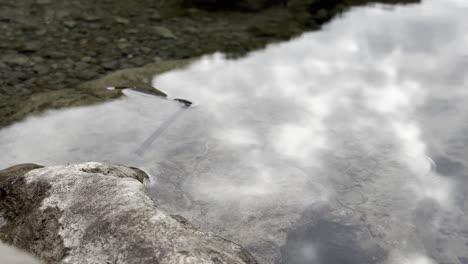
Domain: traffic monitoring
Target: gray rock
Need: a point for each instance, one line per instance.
(44, 2)
(155, 15)
(99, 213)
(15, 59)
(41, 69)
(53, 54)
(110, 65)
(164, 32)
(87, 74)
(90, 17)
(122, 20)
(132, 31)
(81, 66)
(102, 40)
(70, 23)
(86, 59)
(28, 47)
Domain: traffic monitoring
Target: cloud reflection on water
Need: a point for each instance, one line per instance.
(321, 141)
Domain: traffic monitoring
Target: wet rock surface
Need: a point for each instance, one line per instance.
(99, 213)
(48, 48)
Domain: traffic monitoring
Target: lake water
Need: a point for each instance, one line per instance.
(346, 145)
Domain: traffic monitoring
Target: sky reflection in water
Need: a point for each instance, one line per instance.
(346, 145)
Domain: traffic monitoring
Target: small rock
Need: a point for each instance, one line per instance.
(164, 32)
(29, 27)
(90, 18)
(138, 61)
(86, 59)
(110, 65)
(37, 59)
(101, 40)
(70, 23)
(28, 47)
(123, 44)
(155, 16)
(16, 60)
(41, 69)
(41, 32)
(43, 2)
(132, 31)
(191, 29)
(145, 49)
(81, 66)
(53, 54)
(87, 75)
(122, 20)
(4, 44)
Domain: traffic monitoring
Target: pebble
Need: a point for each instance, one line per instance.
(70, 23)
(41, 32)
(41, 69)
(37, 59)
(123, 44)
(53, 54)
(110, 65)
(138, 61)
(90, 18)
(16, 60)
(122, 20)
(86, 59)
(28, 47)
(87, 74)
(145, 49)
(43, 2)
(101, 40)
(155, 16)
(79, 66)
(132, 31)
(29, 27)
(164, 32)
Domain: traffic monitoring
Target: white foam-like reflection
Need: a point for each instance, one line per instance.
(333, 118)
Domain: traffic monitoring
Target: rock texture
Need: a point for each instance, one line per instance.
(99, 213)
(249, 5)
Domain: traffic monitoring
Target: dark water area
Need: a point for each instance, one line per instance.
(318, 239)
(345, 145)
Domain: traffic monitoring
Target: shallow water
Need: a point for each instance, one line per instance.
(346, 145)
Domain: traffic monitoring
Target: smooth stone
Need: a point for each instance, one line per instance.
(164, 32)
(100, 213)
(70, 23)
(122, 20)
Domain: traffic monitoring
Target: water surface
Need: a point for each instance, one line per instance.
(346, 145)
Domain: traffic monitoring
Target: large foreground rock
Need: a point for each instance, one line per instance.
(99, 213)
